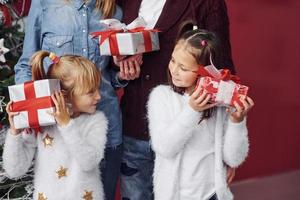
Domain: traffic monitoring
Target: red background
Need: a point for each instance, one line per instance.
(266, 49)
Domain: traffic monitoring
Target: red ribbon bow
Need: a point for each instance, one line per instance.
(225, 75)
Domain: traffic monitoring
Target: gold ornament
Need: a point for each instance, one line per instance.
(41, 196)
(62, 172)
(88, 195)
(48, 141)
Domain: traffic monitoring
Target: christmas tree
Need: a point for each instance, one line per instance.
(12, 16)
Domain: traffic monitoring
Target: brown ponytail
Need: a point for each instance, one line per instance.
(37, 66)
(185, 27)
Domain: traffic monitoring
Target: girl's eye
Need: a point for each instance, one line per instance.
(183, 69)
(91, 93)
(172, 60)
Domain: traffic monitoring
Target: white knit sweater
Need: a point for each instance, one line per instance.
(68, 167)
(175, 138)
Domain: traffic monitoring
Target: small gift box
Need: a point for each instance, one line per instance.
(132, 39)
(33, 102)
(223, 87)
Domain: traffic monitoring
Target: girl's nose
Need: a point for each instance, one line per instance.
(97, 95)
(174, 69)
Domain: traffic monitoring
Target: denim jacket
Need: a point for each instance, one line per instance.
(64, 27)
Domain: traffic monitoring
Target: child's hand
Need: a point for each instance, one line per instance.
(200, 102)
(230, 174)
(13, 130)
(61, 113)
(241, 112)
(130, 67)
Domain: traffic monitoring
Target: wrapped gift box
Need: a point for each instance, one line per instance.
(130, 43)
(33, 100)
(223, 87)
(223, 92)
(121, 39)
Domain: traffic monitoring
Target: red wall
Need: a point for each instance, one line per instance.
(266, 49)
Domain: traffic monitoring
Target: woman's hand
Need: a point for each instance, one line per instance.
(61, 113)
(130, 67)
(230, 174)
(241, 111)
(200, 102)
(11, 115)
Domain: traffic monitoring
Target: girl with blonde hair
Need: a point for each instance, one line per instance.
(66, 155)
(64, 27)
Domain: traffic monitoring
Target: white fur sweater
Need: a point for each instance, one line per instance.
(66, 160)
(176, 140)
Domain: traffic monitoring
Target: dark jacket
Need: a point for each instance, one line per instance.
(209, 14)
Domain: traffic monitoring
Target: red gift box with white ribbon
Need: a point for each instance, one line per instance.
(223, 87)
(132, 39)
(33, 102)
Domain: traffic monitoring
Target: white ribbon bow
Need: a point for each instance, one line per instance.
(115, 24)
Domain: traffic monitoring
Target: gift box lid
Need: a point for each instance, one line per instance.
(42, 88)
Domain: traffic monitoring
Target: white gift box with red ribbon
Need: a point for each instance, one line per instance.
(223, 87)
(132, 39)
(33, 102)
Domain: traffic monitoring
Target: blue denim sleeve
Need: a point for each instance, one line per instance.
(32, 42)
(116, 82)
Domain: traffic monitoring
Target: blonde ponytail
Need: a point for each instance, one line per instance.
(37, 66)
(77, 74)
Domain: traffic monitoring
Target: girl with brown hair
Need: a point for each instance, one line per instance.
(194, 141)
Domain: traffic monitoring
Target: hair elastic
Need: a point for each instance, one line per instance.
(54, 58)
(203, 43)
